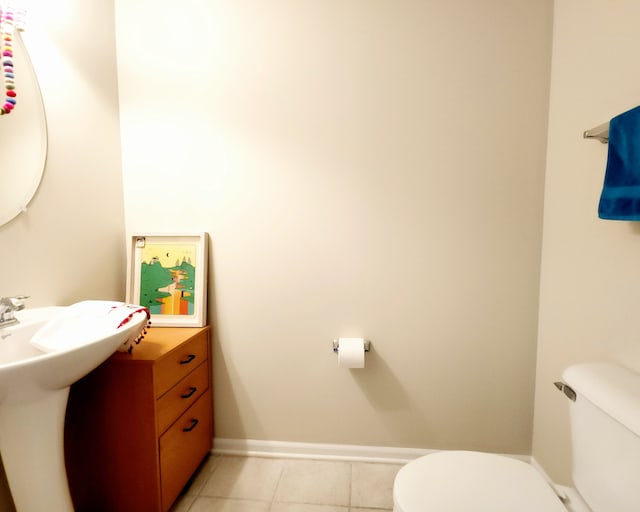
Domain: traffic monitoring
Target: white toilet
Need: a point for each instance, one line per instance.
(605, 429)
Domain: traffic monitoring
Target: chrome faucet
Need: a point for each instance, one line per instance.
(8, 306)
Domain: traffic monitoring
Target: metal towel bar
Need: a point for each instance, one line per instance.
(600, 132)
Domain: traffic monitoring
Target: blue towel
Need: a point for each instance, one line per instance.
(620, 199)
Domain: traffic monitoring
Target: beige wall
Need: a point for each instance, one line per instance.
(69, 245)
(364, 169)
(590, 274)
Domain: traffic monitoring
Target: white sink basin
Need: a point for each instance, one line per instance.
(14, 340)
(40, 357)
(53, 347)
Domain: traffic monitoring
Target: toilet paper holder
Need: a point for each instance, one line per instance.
(336, 345)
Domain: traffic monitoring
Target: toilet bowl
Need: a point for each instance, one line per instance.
(461, 481)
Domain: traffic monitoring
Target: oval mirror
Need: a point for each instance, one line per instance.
(23, 138)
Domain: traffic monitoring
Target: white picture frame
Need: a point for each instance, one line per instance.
(167, 273)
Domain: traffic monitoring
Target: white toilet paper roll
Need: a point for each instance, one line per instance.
(351, 352)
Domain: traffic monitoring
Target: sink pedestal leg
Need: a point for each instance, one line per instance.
(31, 444)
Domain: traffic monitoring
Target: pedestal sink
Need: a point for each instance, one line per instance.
(40, 358)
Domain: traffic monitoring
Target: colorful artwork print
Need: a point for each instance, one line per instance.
(167, 278)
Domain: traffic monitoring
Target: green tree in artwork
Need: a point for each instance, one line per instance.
(188, 282)
(152, 277)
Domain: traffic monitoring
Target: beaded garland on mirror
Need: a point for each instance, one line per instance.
(10, 20)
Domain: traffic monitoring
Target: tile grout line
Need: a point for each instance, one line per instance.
(275, 489)
(197, 495)
(350, 485)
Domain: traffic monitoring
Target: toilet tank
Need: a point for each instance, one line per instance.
(605, 430)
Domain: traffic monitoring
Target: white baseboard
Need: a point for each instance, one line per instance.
(346, 452)
(294, 450)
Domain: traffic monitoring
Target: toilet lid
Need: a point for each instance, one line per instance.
(460, 481)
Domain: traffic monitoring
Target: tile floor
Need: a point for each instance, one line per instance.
(253, 484)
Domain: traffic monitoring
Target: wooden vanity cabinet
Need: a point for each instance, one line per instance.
(138, 426)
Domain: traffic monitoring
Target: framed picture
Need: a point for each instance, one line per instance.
(167, 273)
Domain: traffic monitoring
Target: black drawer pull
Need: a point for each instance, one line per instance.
(189, 358)
(191, 427)
(191, 391)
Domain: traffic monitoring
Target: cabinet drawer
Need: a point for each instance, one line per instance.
(175, 401)
(183, 447)
(179, 362)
